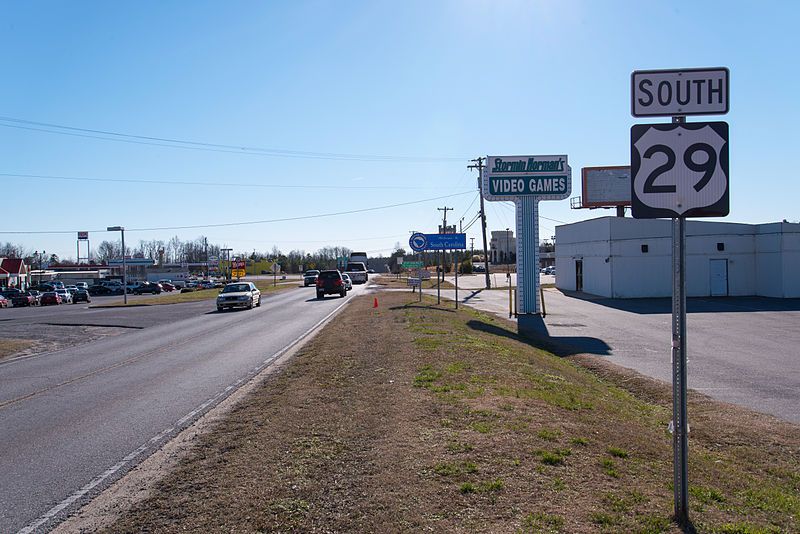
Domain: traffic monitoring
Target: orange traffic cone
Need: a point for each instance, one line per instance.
(375, 303)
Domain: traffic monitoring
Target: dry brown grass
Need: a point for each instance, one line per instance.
(413, 417)
(10, 347)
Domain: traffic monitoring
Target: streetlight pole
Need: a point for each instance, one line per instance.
(121, 229)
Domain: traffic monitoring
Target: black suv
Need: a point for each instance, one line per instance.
(329, 282)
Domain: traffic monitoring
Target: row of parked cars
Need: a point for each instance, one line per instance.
(44, 294)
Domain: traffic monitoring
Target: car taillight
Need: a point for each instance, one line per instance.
(338, 282)
(319, 281)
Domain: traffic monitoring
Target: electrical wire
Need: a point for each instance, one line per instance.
(108, 135)
(215, 184)
(245, 223)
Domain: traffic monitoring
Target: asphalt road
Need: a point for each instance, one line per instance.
(73, 421)
(743, 350)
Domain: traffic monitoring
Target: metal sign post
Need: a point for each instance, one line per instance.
(680, 431)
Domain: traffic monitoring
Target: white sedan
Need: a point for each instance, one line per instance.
(239, 295)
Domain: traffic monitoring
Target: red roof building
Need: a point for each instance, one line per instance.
(14, 273)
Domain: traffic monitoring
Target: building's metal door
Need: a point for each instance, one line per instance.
(578, 275)
(718, 271)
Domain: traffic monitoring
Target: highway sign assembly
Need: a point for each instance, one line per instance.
(525, 180)
(679, 170)
(680, 92)
(419, 242)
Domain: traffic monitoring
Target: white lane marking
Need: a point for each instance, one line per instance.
(55, 510)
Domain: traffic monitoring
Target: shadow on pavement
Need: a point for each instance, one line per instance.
(693, 305)
(560, 346)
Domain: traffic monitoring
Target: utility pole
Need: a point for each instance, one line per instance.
(479, 165)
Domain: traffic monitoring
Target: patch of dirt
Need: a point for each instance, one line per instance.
(411, 417)
(47, 338)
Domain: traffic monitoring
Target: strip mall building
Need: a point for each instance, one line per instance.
(621, 257)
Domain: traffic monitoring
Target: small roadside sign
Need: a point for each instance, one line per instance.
(679, 170)
(412, 264)
(665, 93)
(414, 282)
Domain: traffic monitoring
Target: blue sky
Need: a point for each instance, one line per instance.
(424, 85)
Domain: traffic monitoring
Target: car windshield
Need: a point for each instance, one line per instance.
(236, 288)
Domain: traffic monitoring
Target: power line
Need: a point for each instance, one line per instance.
(247, 223)
(108, 135)
(186, 182)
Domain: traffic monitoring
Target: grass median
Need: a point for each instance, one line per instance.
(177, 297)
(414, 417)
(10, 347)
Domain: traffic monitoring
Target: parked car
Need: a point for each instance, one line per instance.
(3, 302)
(145, 287)
(10, 293)
(23, 298)
(167, 286)
(329, 282)
(82, 285)
(310, 277)
(81, 295)
(348, 284)
(50, 297)
(206, 284)
(99, 290)
(239, 295)
(132, 285)
(65, 295)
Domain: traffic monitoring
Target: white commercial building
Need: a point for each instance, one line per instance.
(503, 247)
(620, 257)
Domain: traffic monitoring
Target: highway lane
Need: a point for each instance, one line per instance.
(73, 421)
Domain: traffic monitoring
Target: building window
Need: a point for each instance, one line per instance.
(644, 249)
(721, 247)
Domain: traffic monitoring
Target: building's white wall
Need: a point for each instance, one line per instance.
(587, 241)
(769, 267)
(790, 248)
(762, 259)
(739, 251)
